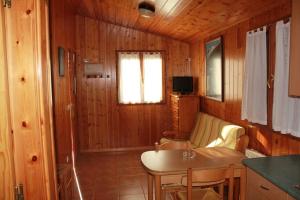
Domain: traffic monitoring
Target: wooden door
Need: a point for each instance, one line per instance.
(6, 157)
(26, 101)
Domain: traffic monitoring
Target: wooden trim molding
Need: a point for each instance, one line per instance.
(7, 177)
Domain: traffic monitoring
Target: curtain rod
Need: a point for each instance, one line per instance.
(268, 26)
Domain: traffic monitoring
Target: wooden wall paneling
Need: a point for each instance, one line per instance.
(7, 176)
(112, 111)
(234, 50)
(241, 45)
(59, 88)
(63, 35)
(262, 138)
(73, 104)
(196, 60)
(197, 53)
(29, 91)
(123, 126)
(116, 119)
(92, 40)
(280, 144)
(46, 105)
(92, 49)
(70, 39)
(230, 45)
(81, 90)
(285, 144)
(111, 137)
(101, 90)
(87, 6)
(294, 69)
(294, 145)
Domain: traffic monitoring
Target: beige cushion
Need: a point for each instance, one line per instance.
(210, 131)
(200, 194)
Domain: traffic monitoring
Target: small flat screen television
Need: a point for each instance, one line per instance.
(183, 84)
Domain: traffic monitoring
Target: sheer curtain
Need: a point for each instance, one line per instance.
(254, 102)
(140, 81)
(286, 110)
(152, 73)
(129, 77)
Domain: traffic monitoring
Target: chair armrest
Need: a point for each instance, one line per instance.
(242, 143)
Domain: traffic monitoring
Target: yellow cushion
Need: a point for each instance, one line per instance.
(228, 137)
(200, 194)
(210, 131)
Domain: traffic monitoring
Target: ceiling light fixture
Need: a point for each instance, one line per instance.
(146, 9)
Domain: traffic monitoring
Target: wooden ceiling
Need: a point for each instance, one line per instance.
(181, 19)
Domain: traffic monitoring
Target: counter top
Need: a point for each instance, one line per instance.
(282, 171)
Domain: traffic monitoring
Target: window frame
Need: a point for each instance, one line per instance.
(164, 78)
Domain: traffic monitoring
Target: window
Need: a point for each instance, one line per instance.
(140, 77)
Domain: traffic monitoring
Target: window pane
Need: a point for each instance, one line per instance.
(152, 73)
(129, 78)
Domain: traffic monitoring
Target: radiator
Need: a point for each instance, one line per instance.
(251, 153)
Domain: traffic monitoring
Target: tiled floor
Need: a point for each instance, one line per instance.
(112, 176)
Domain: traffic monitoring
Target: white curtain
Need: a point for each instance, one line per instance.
(286, 110)
(254, 102)
(129, 78)
(152, 73)
(137, 82)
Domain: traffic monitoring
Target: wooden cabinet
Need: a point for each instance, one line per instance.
(259, 188)
(65, 182)
(294, 83)
(184, 109)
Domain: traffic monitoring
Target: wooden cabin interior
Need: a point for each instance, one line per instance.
(68, 132)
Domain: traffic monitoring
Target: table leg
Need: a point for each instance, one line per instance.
(157, 187)
(231, 180)
(236, 191)
(150, 187)
(243, 184)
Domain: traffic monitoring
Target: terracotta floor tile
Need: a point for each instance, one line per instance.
(132, 197)
(130, 190)
(111, 176)
(131, 171)
(106, 197)
(129, 180)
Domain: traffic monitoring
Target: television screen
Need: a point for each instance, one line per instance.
(183, 84)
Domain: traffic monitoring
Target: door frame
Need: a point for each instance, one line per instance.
(7, 175)
(28, 98)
